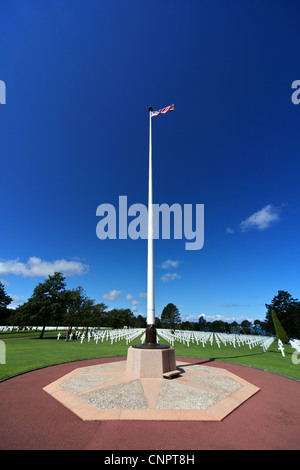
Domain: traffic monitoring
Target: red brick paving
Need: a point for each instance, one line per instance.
(32, 420)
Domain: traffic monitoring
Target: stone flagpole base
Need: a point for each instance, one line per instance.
(151, 363)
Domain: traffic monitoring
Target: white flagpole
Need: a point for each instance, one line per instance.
(150, 273)
(151, 338)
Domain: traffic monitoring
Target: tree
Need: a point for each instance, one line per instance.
(5, 300)
(234, 327)
(280, 331)
(82, 311)
(88, 313)
(259, 327)
(76, 307)
(120, 317)
(47, 304)
(287, 310)
(295, 322)
(20, 316)
(201, 323)
(99, 314)
(170, 317)
(218, 326)
(246, 327)
(140, 322)
(187, 325)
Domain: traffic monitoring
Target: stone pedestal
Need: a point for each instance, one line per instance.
(150, 363)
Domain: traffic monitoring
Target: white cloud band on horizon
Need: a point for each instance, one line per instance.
(216, 317)
(261, 219)
(37, 267)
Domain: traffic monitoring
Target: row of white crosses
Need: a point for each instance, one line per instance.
(5, 329)
(202, 337)
(114, 335)
(184, 337)
(295, 343)
(108, 335)
(134, 334)
(166, 335)
(250, 340)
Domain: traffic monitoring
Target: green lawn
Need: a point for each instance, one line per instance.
(271, 360)
(24, 354)
(27, 353)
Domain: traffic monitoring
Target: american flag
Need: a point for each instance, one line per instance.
(163, 111)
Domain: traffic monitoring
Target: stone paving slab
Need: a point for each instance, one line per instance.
(105, 392)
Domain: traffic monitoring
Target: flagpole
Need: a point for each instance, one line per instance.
(151, 331)
(151, 339)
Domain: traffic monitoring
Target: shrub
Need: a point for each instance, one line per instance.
(280, 331)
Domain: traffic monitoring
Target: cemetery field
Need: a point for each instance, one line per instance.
(271, 360)
(27, 353)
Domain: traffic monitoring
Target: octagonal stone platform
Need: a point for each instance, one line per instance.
(105, 392)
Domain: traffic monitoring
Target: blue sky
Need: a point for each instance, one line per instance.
(79, 78)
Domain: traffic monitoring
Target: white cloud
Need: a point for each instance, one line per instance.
(129, 297)
(134, 304)
(143, 295)
(16, 301)
(112, 295)
(191, 318)
(261, 219)
(170, 277)
(36, 267)
(215, 317)
(229, 230)
(212, 318)
(169, 263)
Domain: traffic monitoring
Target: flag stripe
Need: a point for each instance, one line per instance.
(163, 110)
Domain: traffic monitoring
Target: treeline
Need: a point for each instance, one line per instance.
(170, 318)
(52, 304)
(283, 314)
